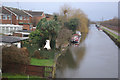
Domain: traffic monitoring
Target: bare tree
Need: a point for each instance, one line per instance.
(63, 37)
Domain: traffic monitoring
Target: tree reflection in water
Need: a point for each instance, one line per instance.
(72, 57)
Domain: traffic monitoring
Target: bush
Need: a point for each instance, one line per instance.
(37, 54)
(14, 55)
(31, 48)
(48, 54)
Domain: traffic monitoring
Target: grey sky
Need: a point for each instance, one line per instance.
(94, 10)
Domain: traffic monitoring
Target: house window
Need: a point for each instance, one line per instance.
(14, 28)
(30, 28)
(24, 17)
(4, 17)
(20, 17)
(17, 17)
(0, 16)
(27, 17)
(9, 17)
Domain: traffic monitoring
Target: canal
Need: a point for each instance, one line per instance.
(95, 57)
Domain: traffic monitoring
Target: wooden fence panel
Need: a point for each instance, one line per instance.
(32, 70)
(35, 70)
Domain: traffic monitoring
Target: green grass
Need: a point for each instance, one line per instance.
(42, 62)
(34, 61)
(114, 35)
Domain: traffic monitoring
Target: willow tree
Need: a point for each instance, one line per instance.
(67, 13)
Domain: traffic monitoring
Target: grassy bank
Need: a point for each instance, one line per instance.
(114, 37)
(42, 62)
(112, 34)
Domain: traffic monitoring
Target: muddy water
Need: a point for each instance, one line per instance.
(95, 57)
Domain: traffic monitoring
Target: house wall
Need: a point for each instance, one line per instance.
(48, 19)
(26, 26)
(8, 28)
(16, 22)
(21, 34)
(30, 19)
(23, 21)
(7, 21)
(36, 19)
(0, 19)
(34, 28)
(17, 34)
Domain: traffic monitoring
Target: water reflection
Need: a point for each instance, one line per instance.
(72, 57)
(95, 57)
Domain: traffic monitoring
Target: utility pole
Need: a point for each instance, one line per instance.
(102, 18)
(18, 4)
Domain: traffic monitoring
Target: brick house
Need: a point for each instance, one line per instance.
(26, 18)
(17, 17)
(36, 16)
(48, 16)
(6, 16)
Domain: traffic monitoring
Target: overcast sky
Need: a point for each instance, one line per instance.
(94, 10)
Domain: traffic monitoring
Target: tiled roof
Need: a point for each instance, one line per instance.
(35, 13)
(4, 11)
(17, 11)
(11, 39)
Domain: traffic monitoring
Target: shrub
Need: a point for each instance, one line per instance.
(14, 55)
(48, 54)
(37, 54)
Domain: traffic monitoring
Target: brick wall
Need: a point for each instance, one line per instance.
(6, 21)
(14, 20)
(17, 34)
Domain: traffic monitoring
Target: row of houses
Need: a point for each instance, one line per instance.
(18, 24)
(28, 19)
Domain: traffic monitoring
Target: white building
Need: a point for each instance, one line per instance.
(11, 40)
(8, 29)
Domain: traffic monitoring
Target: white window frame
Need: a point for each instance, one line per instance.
(20, 17)
(9, 17)
(4, 17)
(17, 17)
(0, 17)
(27, 17)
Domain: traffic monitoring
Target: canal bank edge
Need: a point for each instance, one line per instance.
(57, 56)
(113, 38)
(55, 60)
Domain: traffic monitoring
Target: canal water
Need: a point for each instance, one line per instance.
(95, 57)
